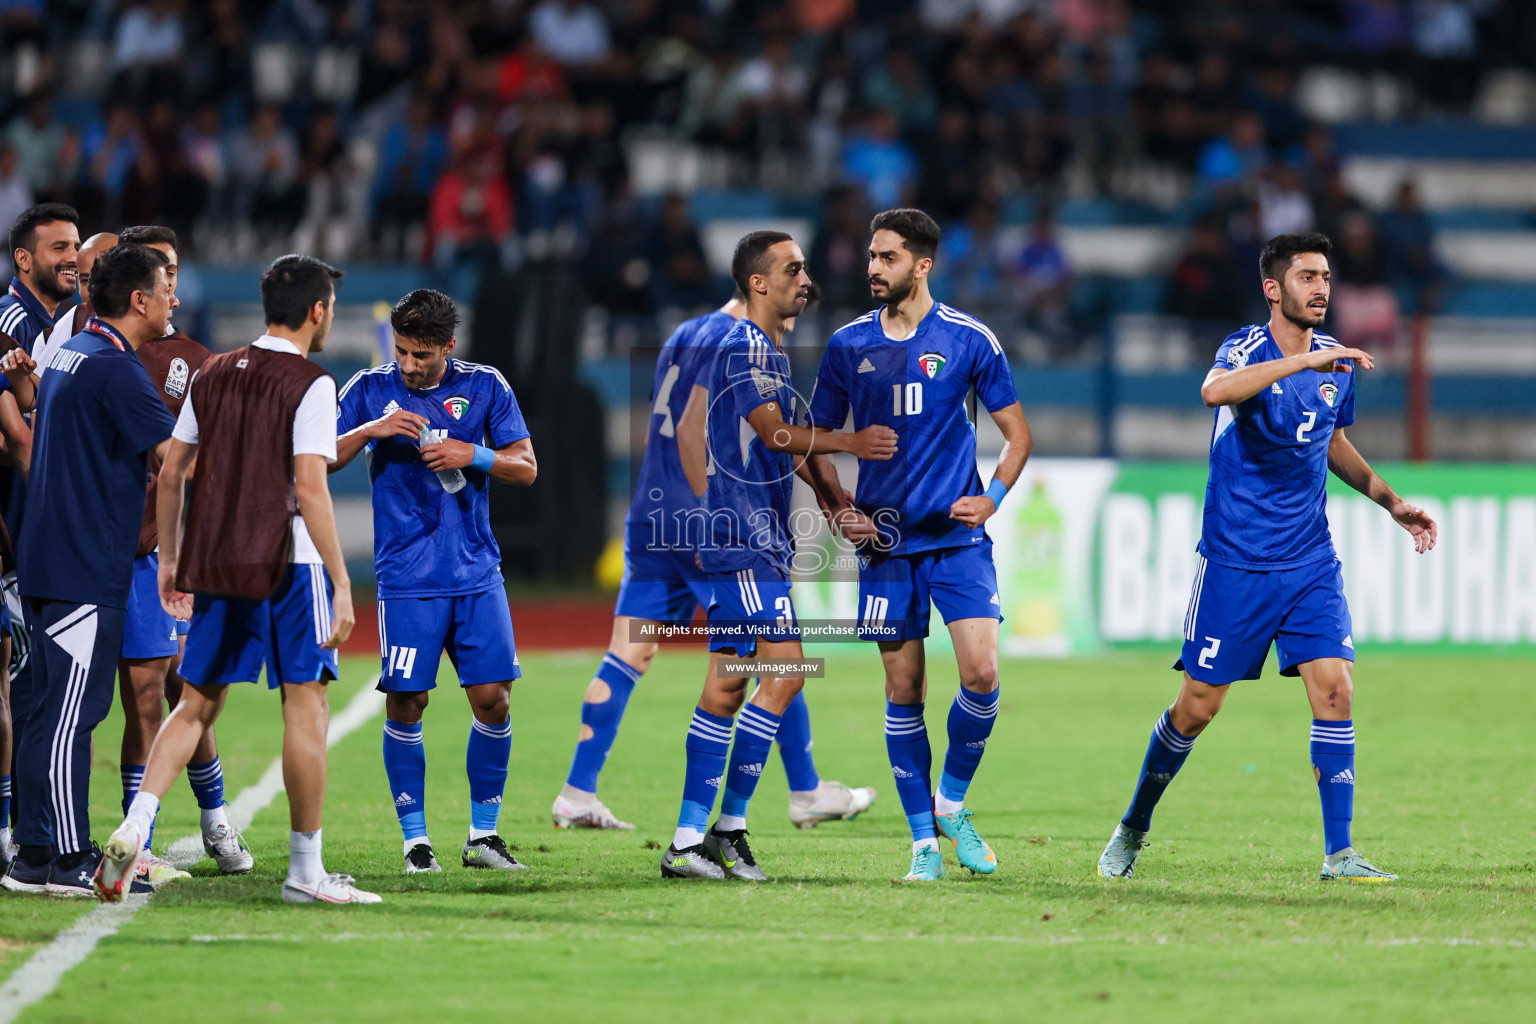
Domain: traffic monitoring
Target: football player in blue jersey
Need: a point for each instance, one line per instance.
(911, 365)
(663, 585)
(745, 552)
(1283, 393)
(438, 431)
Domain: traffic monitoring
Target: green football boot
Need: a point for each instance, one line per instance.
(973, 852)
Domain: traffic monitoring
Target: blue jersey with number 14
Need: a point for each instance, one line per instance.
(427, 542)
(1266, 506)
(918, 388)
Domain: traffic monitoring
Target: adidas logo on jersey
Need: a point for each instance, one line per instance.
(866, 366)
(996, 601)
(1347, 776)
(1349, 641)
(714, 783)
(1274, 388)
(902, 773)
(392, 408)
(404, 799)
(754, 770)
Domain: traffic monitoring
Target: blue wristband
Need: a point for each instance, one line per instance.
(996, 490)
(484, 459)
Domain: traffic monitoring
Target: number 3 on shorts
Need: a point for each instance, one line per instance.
(1207, 653)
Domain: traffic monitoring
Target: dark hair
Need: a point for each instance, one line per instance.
(1278, 252)
(919, 232)
(24, 230)
(751, 256)
(290, 287)
(425, 315)
(148, 234)
(121, 271)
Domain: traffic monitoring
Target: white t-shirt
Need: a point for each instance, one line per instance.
(314, 433)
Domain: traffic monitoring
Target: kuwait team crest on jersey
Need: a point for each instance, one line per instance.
(457, 406)
(932, 363)
(1330, 392)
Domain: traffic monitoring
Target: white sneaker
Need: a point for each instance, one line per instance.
(333, 888)
(157, 871)
(829, 801)
(1119, 857)
(114, 875)
(227, 847)
(569, 814)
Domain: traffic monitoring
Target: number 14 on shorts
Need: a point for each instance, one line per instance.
(400, 662)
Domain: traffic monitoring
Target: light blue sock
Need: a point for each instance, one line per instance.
(906, 741)
(602, 718)
(755, 729)
(1333, 755)
(794, 739)
(485, 761)
(207, 780)
(970, 723)
(405, 762)
(709, 737)
(1166, 751)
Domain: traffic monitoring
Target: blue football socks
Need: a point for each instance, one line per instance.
(1333, 756)
(405, 762)
(485, 762)
(600, 722)
(906, 741)
(794, 739)
(709, 737)
(1166, 752)
(971, 717)
(755, 730)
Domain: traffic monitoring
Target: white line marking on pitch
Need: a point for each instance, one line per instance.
(40, 975)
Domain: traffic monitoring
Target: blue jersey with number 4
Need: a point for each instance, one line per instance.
(918, 388)
(1266, 506)
(749, 485)
(661, 488)
(427, 542)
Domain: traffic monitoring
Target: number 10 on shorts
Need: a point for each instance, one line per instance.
(401, 661)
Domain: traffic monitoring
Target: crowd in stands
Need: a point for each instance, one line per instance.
(489, 130)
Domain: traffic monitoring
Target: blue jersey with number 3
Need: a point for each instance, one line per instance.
(1265, 503)
(427, 542)
(918, 388)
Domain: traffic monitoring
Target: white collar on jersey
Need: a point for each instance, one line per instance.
(274, 344)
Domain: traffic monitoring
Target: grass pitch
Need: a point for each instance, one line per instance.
(1225, 917)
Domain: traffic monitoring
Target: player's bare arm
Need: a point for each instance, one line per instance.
(314, 496)
(692, 444)
(1017, 444)
(514, 464)
(399, 423)
(1346, 463)
(1230, 387)
(874, 443)
(16, 434)
(21, 370)
(170, 497)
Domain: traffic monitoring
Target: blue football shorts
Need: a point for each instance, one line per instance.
(1234, 615)
(474, 629)
(663, 585)
(232, 639)
(748, 605)
(896, 593)
(149, 631)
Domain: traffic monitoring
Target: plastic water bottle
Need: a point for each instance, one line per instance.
(451, 479)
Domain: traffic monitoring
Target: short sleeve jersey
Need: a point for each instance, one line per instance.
(661, 485)
(1266, 506)
(749, 485)
(427, 542)
(918, 388)
(99, 417)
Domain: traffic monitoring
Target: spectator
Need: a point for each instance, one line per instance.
(109, 150)
(972, 265)
(528, 72)
(15, 190)
(202, 142)
(1237, 157)
(899, 86)
(1375, 30)
(1284, 206)
(713, 103)
(264, 164)
(148, 49)
(839, 255)
(1366, 309)
(1206, 286)
(681, 275)
(1099, 115)
(571, 31)
(412, 155)
(1413, 270)
(470, 213)
(1445, 40)
(1045, 284)
(881, 164)
(950, 175)
(45, 151)
(774, 88)
(330, 192)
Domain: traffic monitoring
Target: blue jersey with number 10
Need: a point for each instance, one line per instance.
(427, 542)
(1266, 506)
(918, 388)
